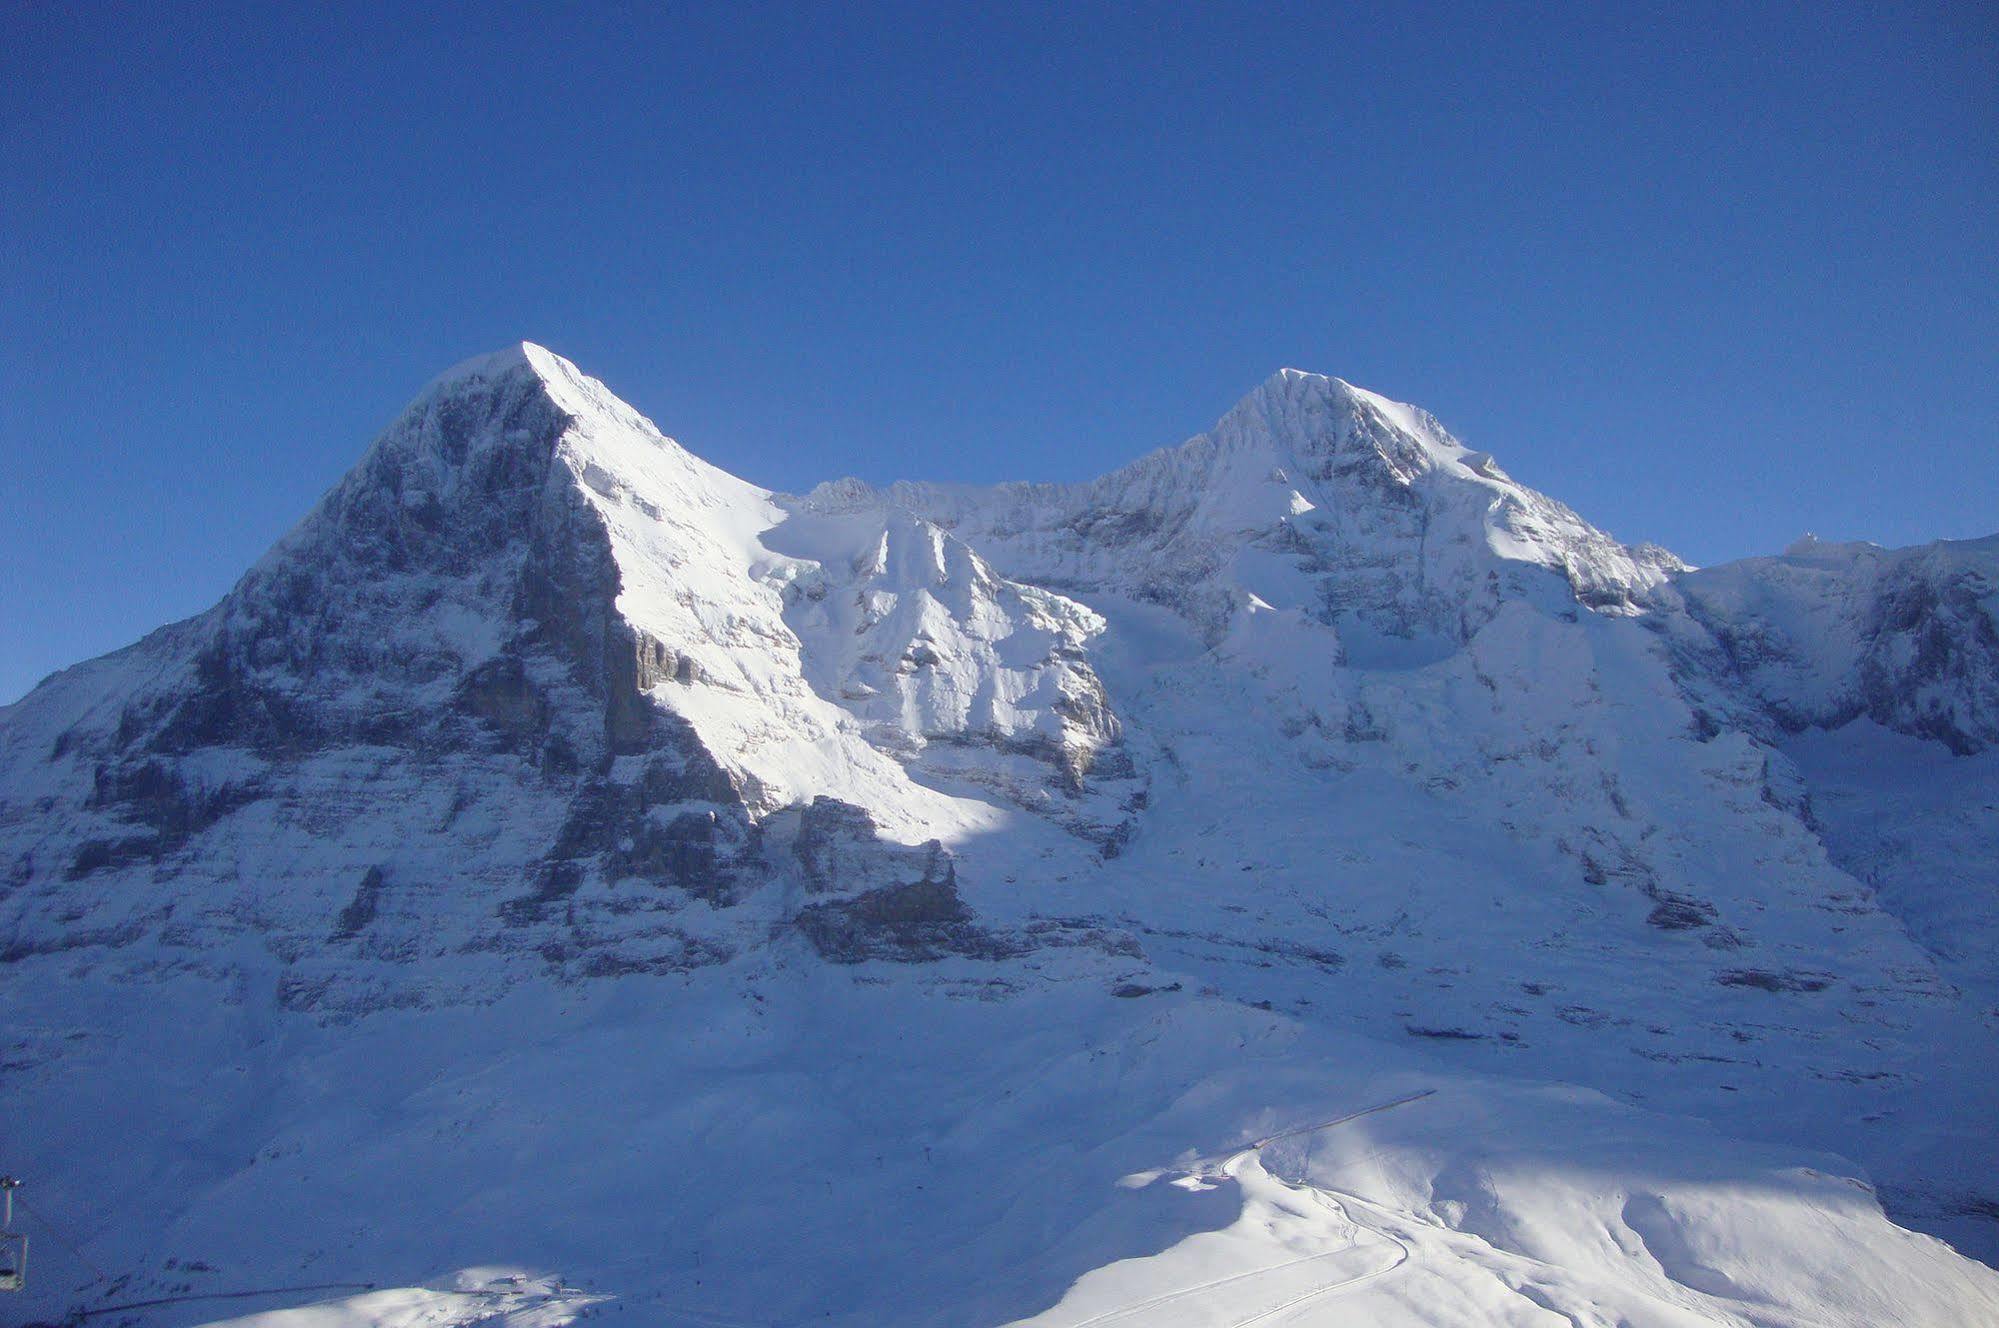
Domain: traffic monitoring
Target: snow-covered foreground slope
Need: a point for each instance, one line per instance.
(561, 860)
(806, 1148)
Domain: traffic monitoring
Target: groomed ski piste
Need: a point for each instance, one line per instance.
(565, 881)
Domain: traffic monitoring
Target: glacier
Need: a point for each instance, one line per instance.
(565, 880)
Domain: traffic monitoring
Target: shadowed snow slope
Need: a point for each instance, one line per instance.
(561, 861)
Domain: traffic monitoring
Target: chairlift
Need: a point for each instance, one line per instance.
(13, 1245)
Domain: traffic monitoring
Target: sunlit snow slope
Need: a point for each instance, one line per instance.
(564, 879)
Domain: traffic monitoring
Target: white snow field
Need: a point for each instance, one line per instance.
(563, 881)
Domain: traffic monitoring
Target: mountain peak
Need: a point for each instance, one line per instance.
(545, 753)
(509, 387)
(1288, 380)
(1288, 375)
(573, 391)
(518, 357)
(1305, 414)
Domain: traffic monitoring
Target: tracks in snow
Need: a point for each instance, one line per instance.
(1342, 1206)
(1403, 1253)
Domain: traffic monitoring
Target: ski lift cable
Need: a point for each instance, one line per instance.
(63, 1240)
(60, 1238)
(1269, 1139)
(222, 1295)
(686, 1315)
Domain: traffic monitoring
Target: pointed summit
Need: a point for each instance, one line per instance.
(494, 364)
(527, 364)
(1315, 416)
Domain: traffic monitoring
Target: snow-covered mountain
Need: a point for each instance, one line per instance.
(909, 906)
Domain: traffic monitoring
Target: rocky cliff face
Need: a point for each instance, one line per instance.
(1318, 715)
(529, 683)
(1829, 633)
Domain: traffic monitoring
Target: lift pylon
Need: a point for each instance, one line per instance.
(13, 1245)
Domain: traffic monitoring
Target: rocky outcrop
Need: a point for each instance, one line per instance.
(838, 848)
(1908, 638)
(892, 901)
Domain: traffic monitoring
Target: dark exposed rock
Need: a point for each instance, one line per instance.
(1974, 1205)
(689, 853)
(910, 923)
(554, 882)
(153, 793)
(598, 814)
(586, 957)
(97, 854)
(655, 663)
(836, 845)
(454, 599)
(1326, 961)
(500, 695)
(296, 992)
(1608, 861)
(82, 939)
(680, 769)
(226, 707)
(360, 911)
(645, 829)
(1766, 980)
(1680, 913)
(910, 920)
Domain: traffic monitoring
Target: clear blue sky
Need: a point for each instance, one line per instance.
(1715, 277)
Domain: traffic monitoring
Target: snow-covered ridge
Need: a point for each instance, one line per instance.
(1309, 494)
(924, 861)
(1828, 632)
